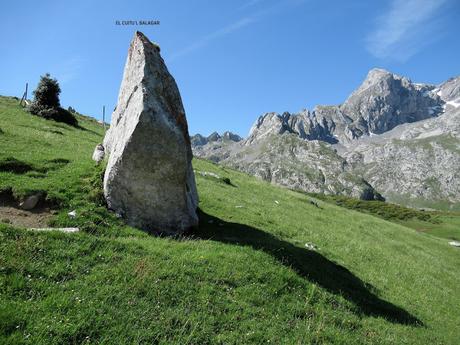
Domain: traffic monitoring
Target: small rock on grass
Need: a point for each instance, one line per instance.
(30, 202)
(99, 153)
(311, 246)
(314, 203)
(66, 230)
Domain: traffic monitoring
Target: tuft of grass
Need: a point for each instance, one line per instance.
(247, 275)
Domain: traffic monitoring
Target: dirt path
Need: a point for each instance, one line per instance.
(10, 213)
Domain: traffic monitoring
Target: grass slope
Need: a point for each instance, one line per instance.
(438, 223)
(43, 155)
(244, 277)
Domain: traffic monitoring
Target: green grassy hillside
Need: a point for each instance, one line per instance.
(245, 276)
(439, 223)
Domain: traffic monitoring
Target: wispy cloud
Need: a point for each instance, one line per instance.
(68, 70)
(250, 3)
(216, 34)
(235, 26)
(405, 29)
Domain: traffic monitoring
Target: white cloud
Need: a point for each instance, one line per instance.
(405, 28)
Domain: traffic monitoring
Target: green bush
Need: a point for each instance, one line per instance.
(47, 92)
(57, 114)
(46, 102)
(226, 180)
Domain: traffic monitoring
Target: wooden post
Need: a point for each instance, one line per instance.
(103, 117)
(24, 96)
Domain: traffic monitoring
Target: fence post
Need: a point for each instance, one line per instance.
(24, 96)
(103, 117)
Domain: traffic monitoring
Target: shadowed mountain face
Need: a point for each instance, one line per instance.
(391, 136)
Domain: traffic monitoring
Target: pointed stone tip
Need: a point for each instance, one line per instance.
(145, 41)
(139, 34)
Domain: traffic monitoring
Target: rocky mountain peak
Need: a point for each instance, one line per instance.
(269, 123)
(449, 91)
(381, 79)
(231, 136)
(199, 140)
(377, 132)
(214, 136)
(378, 73)
(383, 101)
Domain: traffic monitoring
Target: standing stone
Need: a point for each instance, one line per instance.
(149, 179)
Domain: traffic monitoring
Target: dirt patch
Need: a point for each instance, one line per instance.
(10, 213)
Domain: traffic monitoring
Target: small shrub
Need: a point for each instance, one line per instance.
(56, 114)
(226, 180)
(46, 102)
(47, 92)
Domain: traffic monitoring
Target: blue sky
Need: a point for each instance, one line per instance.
(232, 60)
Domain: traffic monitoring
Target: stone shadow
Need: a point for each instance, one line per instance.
(307, 263)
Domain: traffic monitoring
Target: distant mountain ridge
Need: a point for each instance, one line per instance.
(382, 102)
(199, 140)
(385, 137)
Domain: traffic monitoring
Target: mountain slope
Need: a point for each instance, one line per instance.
(245, 276)
(416, 164)
(397, 138)
(303, 165)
